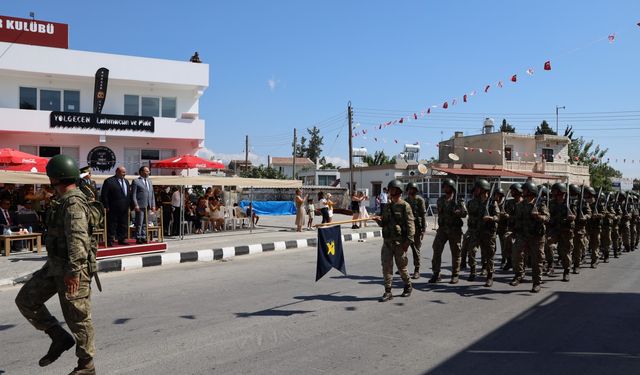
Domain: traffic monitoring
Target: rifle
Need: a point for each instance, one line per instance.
(569, 212)
(606, 202)
(548, 198)
(626, 204)
(505, 200)
(581, 201)
(537, 202)
(489, 199)
(595, 207)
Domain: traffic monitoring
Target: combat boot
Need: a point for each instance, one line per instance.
(435, 278)
(407, 291)
(489, 281)
(535, 288)
(565, 275)
(454, 279)
(472, 274)
(387, 296)
(550, 270)
(61, 342)
(463, 263)
(416, 273)
(507, 265)
(594, 265)
(576, 270)
(85, 367)
(516, 281)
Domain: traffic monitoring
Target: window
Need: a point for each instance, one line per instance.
(71, 101)
(326, 180)
(150, 106)
(169, 107)
(131, 105)
(150, 154)
(49, 100)
(547, 154)
(507, 153)
(28, 98)
(48, 151)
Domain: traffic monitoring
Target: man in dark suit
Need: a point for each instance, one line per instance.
(9, 192)
(115, 198)
(8, 221)
(142, 198)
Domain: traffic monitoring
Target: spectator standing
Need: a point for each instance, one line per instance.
(115, 198)
(87, 185)
(142, 199)
(330, 205)
(176, 204)
(364, 214)
(299, 202)
(355, 208)
(324, 209)
(384, 199)
(311, 212)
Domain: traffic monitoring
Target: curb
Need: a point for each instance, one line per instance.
(207, 255)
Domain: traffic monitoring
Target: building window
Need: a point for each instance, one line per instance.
(547, 154)
(169, 107)
(507, 153)
(49, 100)
(28, 98)
(150, 154)
(326, 180)
(131, 105)
(71, 101)
(150, 106)
(48, 151)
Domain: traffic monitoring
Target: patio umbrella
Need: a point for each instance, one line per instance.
(187, 162)
(39, 167)
(9, 156)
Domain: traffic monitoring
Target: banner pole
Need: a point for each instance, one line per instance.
(346, 222)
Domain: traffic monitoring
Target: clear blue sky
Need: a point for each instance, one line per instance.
(390, 58)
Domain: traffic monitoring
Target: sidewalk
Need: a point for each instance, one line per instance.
(274, 233)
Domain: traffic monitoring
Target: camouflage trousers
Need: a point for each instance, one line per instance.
(625, 235)
(594, 245)
(615, 239)
(453, 237)
(76, 309)
(487, 244)
(550, 246)
(389, 252)
(566, 248)
(534, 247)
(579, 246)
(415, 248)
(632, 234)
(637, 234)
(605, 241)
(502, 240)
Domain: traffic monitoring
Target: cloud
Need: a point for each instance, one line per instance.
(337, 161)
(209, 154)
(273, 83)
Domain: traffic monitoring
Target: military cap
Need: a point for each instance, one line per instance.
(483, 184)
(412, 185)
(517, 187)
(559, 186)
(449, 182)
(530, 186)
(394, 184)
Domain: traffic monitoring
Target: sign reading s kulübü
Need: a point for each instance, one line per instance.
(101, 122)
(34, 32)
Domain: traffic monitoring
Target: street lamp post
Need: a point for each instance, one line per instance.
(557, 108)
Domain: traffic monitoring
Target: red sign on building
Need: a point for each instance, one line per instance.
(34, 32)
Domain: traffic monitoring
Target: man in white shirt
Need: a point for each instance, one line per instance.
(384, 199)
(176, 203)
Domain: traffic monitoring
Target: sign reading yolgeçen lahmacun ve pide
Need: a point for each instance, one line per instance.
(101, 122)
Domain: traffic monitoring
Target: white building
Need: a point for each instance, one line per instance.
(285, 165)
(151, 109)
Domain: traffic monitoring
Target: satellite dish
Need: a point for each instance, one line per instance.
(454, 157)
(422, 168)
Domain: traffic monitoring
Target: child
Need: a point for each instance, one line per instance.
(311, 212)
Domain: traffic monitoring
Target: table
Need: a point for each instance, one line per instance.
(7, 239)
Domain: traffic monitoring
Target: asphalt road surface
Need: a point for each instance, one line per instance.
(264, 314)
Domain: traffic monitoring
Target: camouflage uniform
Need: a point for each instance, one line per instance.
(509, 235)
(88, 188)
(633, 224)
(605, 233)
(530, 235)
(501, 232)
(68, 247)
(583, 213)
(594, 228)
(449, 229)
(481, 234)
(615, 229)
(418, 207)
(398, 227)
(625, 226)
(561, 231)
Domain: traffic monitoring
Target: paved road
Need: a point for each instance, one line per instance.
(264, 314)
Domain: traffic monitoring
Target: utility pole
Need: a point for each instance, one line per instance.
(246, 153)
(350, 118)
(557, 108)
(295, 141)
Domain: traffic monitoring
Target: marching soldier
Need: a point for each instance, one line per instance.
(509, 215)
(615, 228)
(398, 232)
(530, 216)
(624, 225)
(561, 225)
(481, 229)
(67, 272)
(551, 240)
(633, 200)
(498, 197)
(583, 213)
(637, 222)
(450, 215)
(418, 207)
(607, 223)
(594, 225)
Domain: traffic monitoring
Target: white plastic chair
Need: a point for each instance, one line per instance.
(229, 221)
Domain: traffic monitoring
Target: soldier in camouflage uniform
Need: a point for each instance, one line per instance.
(561, 226)
(499, 196)
(633, 201)
(583, 213)
(637, 222)
(481, 229)
(551, 240)
(398, 232)
(624, 227)
(67, 271)
(530, 217)
(418, 207)
(607, 223)
(615, 227)
(594, 225)
(450, 215)
(509, 215)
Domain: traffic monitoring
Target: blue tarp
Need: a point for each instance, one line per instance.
(271, 208)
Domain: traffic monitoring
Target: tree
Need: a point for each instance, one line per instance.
(301, 148)
(263, 172)
(314, 150)
(378, 158)
(506, 127)
(325, 165)
(544, 128)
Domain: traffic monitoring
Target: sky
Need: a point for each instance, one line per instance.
(279, 65)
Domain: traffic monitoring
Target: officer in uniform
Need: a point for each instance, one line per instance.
(418, 207)
(561, 226)
(398, 233)
(607, 223)
(67, 271)
(509, 215)
(530, 217)
(481, 229)
(594, 225)
(450, 215)
(87, 185)
(583, 213)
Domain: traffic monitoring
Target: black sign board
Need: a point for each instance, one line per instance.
(101, 158)
(102, 122)
(100, 90)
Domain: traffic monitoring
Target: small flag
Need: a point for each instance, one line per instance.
(514, 78)
(530, 71)
(612, 37)
(486, 88)
(500, 84)
(547, 65)
(464, 98)
(401, 120)
(395, 141)
(480, 150)
(428, 111)
(330, 254)
(445, 105)
(415, 117)
(454, 102)
(472, 93)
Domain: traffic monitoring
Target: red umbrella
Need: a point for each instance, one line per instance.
(14, 157)
(187, 162)
(39, 167)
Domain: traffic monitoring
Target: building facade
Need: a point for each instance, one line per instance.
(285, 165)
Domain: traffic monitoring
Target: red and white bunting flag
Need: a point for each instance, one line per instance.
(530, 71)
(534, 155)
(514, 78)
(500, 84)
(612, 37)
(415, 117)
(375, 139)
(445, 105)
(454, 102)
(428, 110)
(464, 98)
(401, 120)
(472, 93)
(547, 65)
(490, 151)
(380, 127)
(486, 88)
(395, 140)
(499, 152)
(480, 150)
(466, 148)
(394, 122)
(517, 154)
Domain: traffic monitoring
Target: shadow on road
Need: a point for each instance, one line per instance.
(334, 298)
(566, 333)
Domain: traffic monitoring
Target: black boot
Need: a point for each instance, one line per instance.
(85, 367)
(435, 278)
(454, 279)
(535, 288)
(416, 273)
(407, 291)
(472, 274)
(61, 342)
(565, 275)
(387, 296)
(507, 265)
(489, 281)
(516, 281)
